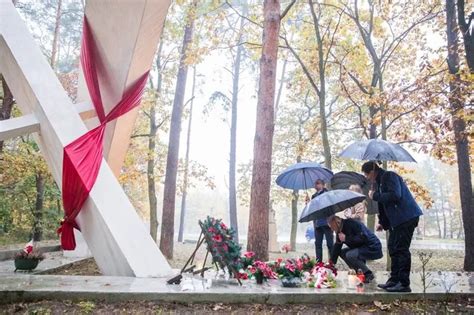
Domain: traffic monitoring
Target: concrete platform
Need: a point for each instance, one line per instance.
(52, 260)
(24, 287)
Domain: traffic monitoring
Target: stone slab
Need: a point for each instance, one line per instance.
(10, 253)
(52, 260)
(16, 288)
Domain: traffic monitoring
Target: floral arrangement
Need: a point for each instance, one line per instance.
(247, 259)
(291, 268)
(322, 276)
(261, 270)
(220, 243)
(308, 262)
(32, 255)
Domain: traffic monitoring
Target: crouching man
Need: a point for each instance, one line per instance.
(362, 245)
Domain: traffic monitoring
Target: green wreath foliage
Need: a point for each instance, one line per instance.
(220, 243)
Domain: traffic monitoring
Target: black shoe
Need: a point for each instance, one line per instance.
(398, 288)
(386, 285)
(369, 276)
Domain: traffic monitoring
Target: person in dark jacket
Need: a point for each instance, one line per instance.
(321, 228)
(362, 245)
(399, 213)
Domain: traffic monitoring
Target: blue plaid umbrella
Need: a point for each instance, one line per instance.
(303, 175)
(376, 150)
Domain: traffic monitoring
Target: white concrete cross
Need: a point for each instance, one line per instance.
(126, 34)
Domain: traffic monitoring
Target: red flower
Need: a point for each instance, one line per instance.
(223, 226)
(212, 230)
(249, 254)
(217, 238)
(252, 269)
(290, 267)
(242, 275)
(299, 264)
(279, 260)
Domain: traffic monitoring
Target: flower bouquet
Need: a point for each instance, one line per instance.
(261, 271)
(290, 272)
(322, 276)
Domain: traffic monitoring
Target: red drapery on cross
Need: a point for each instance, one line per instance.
(83, 156)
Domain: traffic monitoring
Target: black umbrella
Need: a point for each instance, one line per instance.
(376, 150)
(344, 179)
(330, 203)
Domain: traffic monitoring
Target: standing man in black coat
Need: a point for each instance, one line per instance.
(399, 213)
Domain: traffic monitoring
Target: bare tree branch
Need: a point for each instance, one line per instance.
(287, 9)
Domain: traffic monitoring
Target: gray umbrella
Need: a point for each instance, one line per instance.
(330, 203)
(376, 150)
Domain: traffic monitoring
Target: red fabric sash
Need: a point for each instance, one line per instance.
(82, 157)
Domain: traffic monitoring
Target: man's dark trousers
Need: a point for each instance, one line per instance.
(399, 241)
(319, 233)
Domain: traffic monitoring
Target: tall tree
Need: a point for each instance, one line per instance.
(324, 41)
(457, 104)
(152, 201)
(262, 163)
(167, 228)
(233, 125)
(186, 162)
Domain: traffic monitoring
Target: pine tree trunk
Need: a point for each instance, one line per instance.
(262, 163)
(460, 136)
(186, 164)
(167, 228)
(54, 46)
(38, 212)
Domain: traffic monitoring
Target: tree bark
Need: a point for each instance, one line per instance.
(7, 105)
(262, 163)
(461, 139)
(57, 24)
(186, 164)
(167, 228)
(38, 212)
